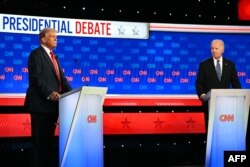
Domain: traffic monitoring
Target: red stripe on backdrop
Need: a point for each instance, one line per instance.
(18, 125)
(151, 102)
(9, 100)
(15, 125)
(153, 123)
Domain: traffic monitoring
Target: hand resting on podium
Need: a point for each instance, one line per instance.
(54, 96)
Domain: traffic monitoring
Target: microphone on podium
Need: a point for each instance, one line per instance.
(79, 67)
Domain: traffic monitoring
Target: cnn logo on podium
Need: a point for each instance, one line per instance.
(92, 119)
(226, 117)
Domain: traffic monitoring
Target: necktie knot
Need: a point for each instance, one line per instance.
(52, 55)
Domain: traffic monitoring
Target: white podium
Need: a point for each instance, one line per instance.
(228, 116)
(81, 127)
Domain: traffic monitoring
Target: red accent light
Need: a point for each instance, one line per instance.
(244, 9)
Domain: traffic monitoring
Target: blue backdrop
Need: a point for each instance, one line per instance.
(166, 63)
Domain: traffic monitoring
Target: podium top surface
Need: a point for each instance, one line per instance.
(230, 92)
(87, 90)
(70, 92)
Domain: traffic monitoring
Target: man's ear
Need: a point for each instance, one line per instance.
(43, 40)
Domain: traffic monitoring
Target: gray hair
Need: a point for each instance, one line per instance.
(220, 41)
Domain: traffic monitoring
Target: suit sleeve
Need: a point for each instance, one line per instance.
(36, 77)
(65, 85)
(234, 78)
(200, 80)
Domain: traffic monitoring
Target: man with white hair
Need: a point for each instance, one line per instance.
(216, 72)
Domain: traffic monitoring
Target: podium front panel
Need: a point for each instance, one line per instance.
(81, 130)
(228, 117)
(228, 128)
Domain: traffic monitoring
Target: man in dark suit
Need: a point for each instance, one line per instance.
(215, 73)
(207, 77)
(46, 83)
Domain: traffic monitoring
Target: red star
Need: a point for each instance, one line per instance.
(158, 123)
(27, 125)
(125, 123)
(190, 122)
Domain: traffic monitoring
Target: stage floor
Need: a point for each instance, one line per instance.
(123, 151)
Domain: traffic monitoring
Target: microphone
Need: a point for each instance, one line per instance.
(76, 62)
(79, 67)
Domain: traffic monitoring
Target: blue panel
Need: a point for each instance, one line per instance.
(166, 63)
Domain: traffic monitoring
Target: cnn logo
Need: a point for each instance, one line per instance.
(227, 117)
(92, 119)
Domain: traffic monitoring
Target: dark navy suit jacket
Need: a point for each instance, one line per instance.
(42, 82)
(207, 78)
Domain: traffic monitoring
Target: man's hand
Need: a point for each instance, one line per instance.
(202, 97)
(54, 96)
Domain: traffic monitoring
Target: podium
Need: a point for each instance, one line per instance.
(81, 127)
(227, 126)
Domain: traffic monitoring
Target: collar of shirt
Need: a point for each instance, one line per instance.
(47, 50)
(221, 60)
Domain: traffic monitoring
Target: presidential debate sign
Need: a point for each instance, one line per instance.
(126, 57)
(73, 27)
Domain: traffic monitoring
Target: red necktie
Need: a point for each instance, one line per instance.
(53, 58)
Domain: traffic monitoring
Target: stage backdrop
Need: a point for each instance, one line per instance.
(128, 58)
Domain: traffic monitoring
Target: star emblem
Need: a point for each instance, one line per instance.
(27, 125)
(158, 123)
(121, 30)
(135, 31)
(190, 123)
(125, 123)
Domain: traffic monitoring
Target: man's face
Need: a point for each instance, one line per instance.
(50, 39)
(217, 49)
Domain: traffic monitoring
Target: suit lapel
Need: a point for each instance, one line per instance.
(212, 68)
(47, 58)
(224, 69)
